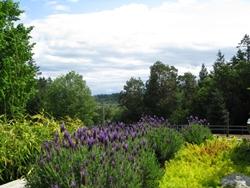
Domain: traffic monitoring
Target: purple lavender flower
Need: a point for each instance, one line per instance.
(62, 128)
(66, 134)
(46, 146)
(90, 142)
(56, 137)
(71, 143)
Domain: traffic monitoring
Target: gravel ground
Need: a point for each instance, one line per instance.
(247, 136)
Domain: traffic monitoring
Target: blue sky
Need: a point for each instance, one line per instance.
(109, 41)
(42, 8)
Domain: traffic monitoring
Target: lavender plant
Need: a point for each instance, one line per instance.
(195, 120)
(117, 155)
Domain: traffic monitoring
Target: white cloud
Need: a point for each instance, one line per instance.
(134, 34)
(58, 7)
(61, 8)
(74, 1)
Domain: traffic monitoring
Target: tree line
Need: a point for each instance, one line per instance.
(212, 95)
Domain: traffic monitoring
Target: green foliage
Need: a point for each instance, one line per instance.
(21, 141)
(196, 134)
(160, 96)
(232, 79)
(216, 109)
(132, 98)
(150, 169)
(201, 165)
(68, 95)
(165, 143)
(224, 89)
(203, 74)
(17, 69)
(241, 156)
(107, 113)
(187, 88)
(108, 98)
(37, 104)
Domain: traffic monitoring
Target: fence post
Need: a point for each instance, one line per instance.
(227, 124)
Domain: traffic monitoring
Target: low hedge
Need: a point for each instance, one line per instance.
(203, 165)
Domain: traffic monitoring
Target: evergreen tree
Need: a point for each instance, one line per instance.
(203, 73)
(220, 61)
(245, 45)
(216, 108)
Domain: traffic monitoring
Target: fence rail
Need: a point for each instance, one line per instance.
(222, 129)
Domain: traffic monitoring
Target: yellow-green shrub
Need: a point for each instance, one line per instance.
(21, 140)
(201, 166)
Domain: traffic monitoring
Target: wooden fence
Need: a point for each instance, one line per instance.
(221, 129)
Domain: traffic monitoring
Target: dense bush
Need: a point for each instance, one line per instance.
(202, 165)
(196, 134)
(21, 141)
(114, 156)
(241, 156)
(165, 143)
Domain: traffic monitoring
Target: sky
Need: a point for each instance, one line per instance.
(109, 41)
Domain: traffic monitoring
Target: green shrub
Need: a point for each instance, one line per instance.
(241, 156)
(150, 169)
(21, 142)
(196, 134)
(165, 142)
(202, 165)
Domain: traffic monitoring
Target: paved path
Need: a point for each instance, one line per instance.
(247, 136)
(14, 184)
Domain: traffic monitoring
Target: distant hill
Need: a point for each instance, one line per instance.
(108, 98)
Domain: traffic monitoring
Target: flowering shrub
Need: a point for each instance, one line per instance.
(195, 120)
(117, 155)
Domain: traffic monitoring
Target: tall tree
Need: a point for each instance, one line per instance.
(203, 73)
(38, 103)
(216, 108)
(161, 88)
(187, 88)
(132, 98)
(188, 85)
(17, 68)
(220, 61)
(68, 95)
(245, 45)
